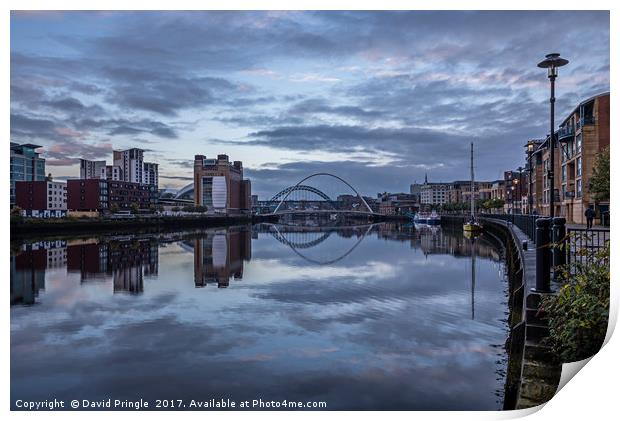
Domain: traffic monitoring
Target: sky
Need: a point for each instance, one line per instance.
(378, 98)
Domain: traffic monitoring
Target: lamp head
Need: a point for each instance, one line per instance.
(551, 63)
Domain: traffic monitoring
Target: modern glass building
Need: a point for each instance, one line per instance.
(25, 165)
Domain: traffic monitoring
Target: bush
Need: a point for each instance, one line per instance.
(579, 314)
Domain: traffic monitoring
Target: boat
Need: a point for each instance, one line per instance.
(428, 219)
(472, 227)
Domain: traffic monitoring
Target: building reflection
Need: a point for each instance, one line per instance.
(29, 266)
(126, 261)
(438, 240)
(219, 256)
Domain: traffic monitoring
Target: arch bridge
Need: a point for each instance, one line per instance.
(283, 195)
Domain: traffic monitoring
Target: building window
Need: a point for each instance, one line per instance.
(578, 141)
(207, 191)
(579, 167)
(579, 188)
(563, 172)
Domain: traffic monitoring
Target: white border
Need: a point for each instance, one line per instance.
(591, 395)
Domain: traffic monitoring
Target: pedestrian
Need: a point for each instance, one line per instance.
(589, 217)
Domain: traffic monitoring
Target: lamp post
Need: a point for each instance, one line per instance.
(551, 63)
(530, 151)
(512, 203)
(520, 184)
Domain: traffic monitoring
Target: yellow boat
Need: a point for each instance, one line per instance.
(472, 227)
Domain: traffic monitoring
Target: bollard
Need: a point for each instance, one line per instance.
(543, 257)
(558, 232)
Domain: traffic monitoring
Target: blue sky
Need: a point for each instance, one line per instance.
(379, 98)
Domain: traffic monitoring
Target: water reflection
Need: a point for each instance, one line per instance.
(219, 256)
(363, 317)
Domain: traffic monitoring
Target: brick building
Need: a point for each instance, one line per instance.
(46, 198)
(580, 137)
(219, 185)
(89, 195)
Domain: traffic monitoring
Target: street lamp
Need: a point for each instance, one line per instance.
(530, 150)
(520, 184)
(551, 63)
(512, 203)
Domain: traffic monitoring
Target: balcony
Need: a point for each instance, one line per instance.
(587, 120)
(566, 134)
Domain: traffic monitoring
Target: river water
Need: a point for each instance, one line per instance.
(370, 317)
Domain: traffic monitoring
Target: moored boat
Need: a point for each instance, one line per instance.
(472, 226)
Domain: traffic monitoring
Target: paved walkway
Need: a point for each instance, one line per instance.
(583, 226)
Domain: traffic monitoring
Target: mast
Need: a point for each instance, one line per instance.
(472, 180)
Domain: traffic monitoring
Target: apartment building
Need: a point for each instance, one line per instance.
(580, 137)
(435, 193)
(41, 198)
(92, 169)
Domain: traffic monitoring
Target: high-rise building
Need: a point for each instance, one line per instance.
(151, 174)
(25, 165)
(113, 172)
(219, 184)
(131, 163)
(92, 169)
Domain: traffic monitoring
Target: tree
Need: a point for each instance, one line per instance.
(201, 209)
(176, 209)
(135, 208)
(152, 208)
(599, 182)
(114, 208)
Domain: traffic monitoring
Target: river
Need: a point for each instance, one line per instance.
(381, 317)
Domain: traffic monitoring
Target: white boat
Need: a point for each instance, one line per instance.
(428, 219)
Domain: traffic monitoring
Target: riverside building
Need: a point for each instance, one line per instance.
(581, 136)
(219, 185)
(26, 165)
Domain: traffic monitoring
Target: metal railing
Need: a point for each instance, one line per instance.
(566, 131)
(582, 244)
(526, 223)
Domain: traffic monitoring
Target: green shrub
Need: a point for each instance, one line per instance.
(579, 313)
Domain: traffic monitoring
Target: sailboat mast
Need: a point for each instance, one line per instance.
(472, 179)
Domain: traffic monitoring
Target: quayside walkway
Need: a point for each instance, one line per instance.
(539, 370)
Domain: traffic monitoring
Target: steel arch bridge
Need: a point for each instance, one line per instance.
(284, 194)
(300, 187)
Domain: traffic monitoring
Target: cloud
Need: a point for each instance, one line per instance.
(412, 88)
